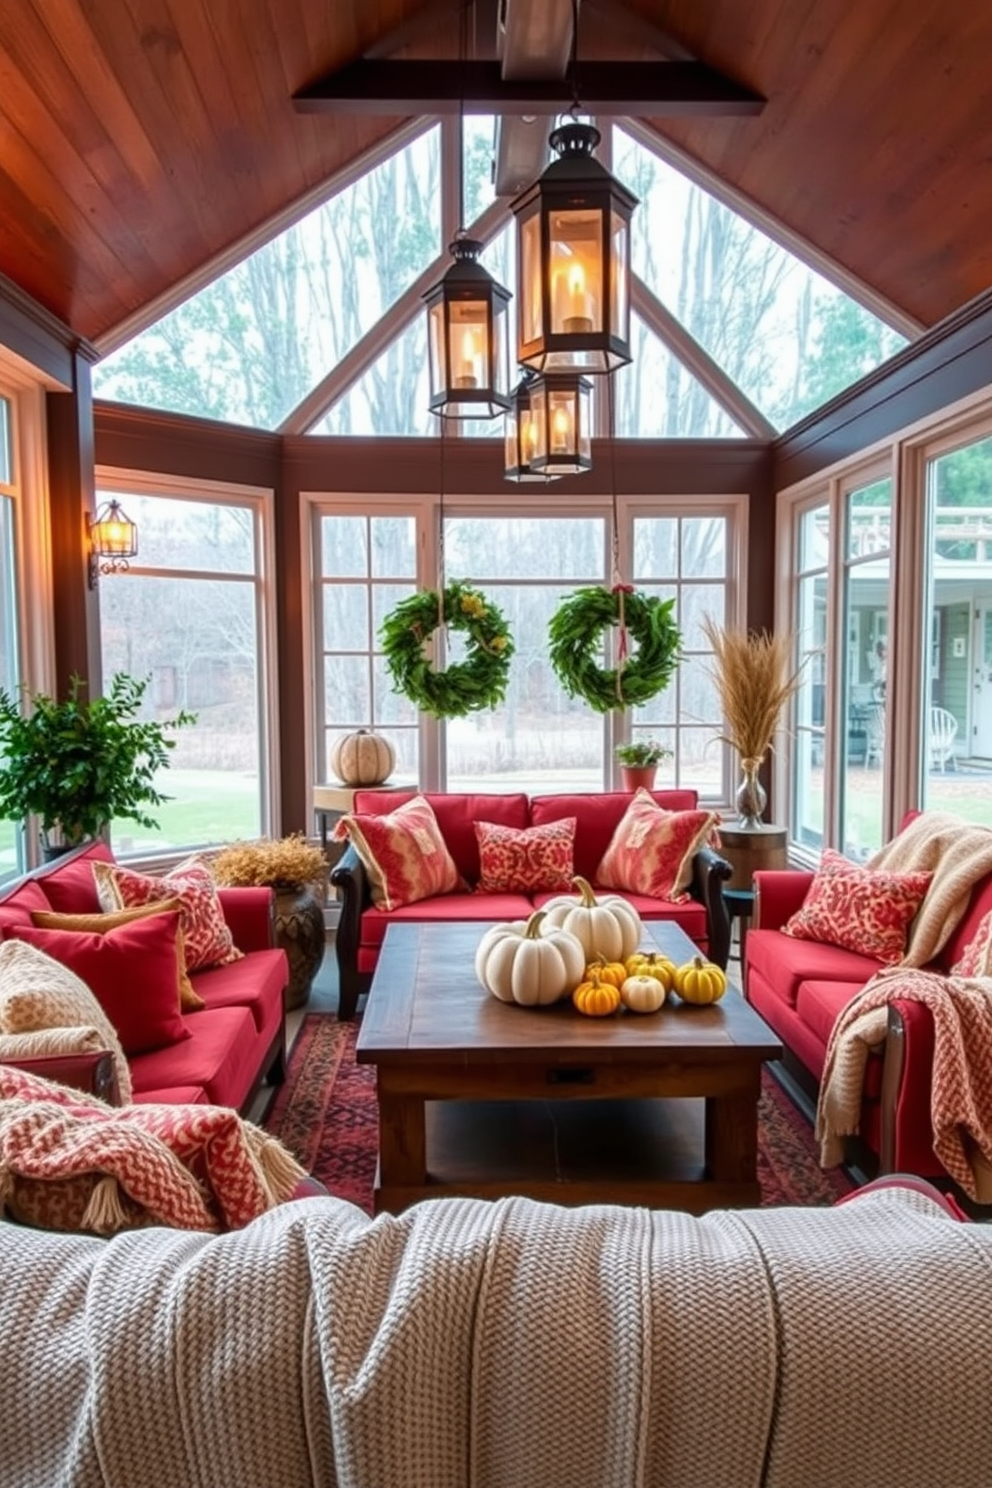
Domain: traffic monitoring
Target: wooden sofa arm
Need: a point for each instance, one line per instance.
(354, 891)
(709, 874)
(92, 1072)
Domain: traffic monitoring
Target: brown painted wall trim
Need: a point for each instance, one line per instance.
(76, 615)
(173, 444)
(951, 361)
(39, 337)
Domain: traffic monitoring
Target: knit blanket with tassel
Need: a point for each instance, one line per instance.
(71, 1162)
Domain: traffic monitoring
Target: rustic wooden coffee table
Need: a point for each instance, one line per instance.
(484, 1098)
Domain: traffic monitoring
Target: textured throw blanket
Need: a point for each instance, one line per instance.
(70, 1162)
(958, 854)
(505, 1345)
(961, 1095)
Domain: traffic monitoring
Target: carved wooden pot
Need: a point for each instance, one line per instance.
(300, 933)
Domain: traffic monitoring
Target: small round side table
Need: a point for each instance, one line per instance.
(748, 849)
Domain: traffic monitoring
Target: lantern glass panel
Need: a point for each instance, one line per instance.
(501, 350)
(561, 425)
(435, 347)
(532, 299)
(619, 277)
(576, 269)
(468, 344)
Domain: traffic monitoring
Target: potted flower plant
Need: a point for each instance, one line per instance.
(297, 870)
(639, 762)
(79, 764)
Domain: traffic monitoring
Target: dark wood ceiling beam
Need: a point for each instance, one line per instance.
(656, 89)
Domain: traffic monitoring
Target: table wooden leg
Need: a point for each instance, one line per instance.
(732, 1136)
(402, 1141)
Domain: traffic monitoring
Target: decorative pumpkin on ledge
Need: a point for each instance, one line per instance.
(363, 758)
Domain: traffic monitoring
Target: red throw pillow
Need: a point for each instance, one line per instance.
(651, 849)
(521, 860)
(404, 854)
(207, 941)
(132, 971)
(861, 909)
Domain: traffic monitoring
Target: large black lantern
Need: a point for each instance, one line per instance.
(561, 414)
(467, 338)
(573, 239)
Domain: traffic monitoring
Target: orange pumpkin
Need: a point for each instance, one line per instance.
(614, 973)
(596, 999)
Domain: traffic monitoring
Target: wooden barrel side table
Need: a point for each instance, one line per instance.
(747, 849)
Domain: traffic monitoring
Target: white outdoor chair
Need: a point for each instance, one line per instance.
(874, 734)
(943, 732)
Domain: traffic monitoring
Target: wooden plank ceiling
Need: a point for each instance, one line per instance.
(141, 139)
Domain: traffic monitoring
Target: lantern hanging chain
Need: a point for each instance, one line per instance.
(573, 64)
(620, 589)
(462, 48)
(440, 534)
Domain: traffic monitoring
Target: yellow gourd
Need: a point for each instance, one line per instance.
(643, 994)
(653, 964)
(609, 927)
(595, 998)
(700, 981)
(614, 973)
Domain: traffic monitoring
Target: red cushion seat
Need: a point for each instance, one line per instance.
(222, 1058)
(785, 962)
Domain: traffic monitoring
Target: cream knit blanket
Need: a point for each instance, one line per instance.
(504, 1345)
(961, 1088)
(958, 854)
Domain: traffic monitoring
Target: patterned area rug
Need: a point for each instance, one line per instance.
(326, 1114)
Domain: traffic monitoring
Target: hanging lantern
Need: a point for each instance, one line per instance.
(573, 240)
(467, 338)
(524, 436)
(561, 410)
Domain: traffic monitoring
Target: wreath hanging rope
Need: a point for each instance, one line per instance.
(575, 633)
(480, 681)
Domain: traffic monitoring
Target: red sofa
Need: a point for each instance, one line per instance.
(236, 1041)
(362, 926)
(800, 986)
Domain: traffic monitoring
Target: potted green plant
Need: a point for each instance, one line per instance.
(78, 764)
(297, 871)
(639, 762)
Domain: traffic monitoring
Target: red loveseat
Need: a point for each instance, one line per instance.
(362, 925)
(800, 986)
(235, 1042)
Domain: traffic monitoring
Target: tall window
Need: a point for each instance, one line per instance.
(364, 565)
(10, 835)
(188, 616)
(865, 691)
(538, 738)
(956, 691)
(811, 700)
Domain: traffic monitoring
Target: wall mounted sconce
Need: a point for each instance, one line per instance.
(113, 540)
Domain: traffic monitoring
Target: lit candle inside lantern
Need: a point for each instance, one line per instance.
(529, 439)
(466, 377)
(579, 317)
(561, 431)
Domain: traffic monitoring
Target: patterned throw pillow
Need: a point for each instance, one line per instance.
(651, 850)
(404, 854)
(976, 958)
(38, 993)
(521, 860)
(206, 938)
(190, 1000)
(861, 909)
(132, 971)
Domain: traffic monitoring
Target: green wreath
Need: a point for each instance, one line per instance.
(479, 681)
(575, 631)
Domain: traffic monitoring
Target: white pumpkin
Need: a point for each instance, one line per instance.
(363, 758)
(642, 993)
(608, 927)
(529, 962)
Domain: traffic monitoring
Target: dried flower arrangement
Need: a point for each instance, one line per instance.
(754, 681)
(281, 863)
